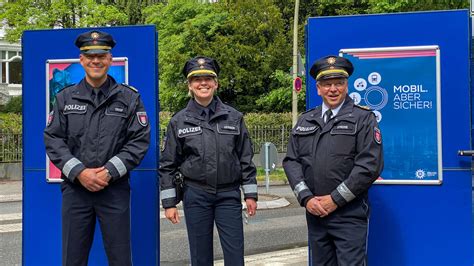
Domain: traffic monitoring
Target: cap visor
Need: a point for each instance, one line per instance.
(203, 75)
(95, 51)
(333, 76)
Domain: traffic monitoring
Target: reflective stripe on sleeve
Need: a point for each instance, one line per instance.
(252, 188)
(118, 165)
(168, 193)
(73, 162)
(300, 187)
(345, 192)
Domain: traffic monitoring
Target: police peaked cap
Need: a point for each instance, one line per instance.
(201, 66)
(95, 42)
(331, 67)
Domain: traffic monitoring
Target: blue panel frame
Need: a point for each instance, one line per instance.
(42, 201)
(411, 224)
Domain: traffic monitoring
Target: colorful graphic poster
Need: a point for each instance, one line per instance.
(64, 72)
(401, 85)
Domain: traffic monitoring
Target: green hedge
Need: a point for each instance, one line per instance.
(252, 120)
(10, 122)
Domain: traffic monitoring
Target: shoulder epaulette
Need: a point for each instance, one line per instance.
(312, 109)
(175, 113)
(363, 107)
(69, 85)
(130, 87)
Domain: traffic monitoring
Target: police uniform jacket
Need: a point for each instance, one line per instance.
(214, 156)
(342, 157)
(114, 134)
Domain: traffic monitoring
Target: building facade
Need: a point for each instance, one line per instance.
(10, 69)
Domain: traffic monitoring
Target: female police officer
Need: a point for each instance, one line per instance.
(209, 144)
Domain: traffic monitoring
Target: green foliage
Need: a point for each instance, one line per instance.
(10, 122)
(280, 97)
(23, 15)
(13, 106)
(390, 6)
(182, 25)
(251, 119)
(246, 38)
(278, 175)
(165, 118)
(267, 119)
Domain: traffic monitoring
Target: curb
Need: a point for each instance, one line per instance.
(11, 198)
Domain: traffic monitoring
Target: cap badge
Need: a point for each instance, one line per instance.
(331, 60)
(94, 35)
(201, 61)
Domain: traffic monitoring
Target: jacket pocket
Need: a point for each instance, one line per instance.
(343, 138)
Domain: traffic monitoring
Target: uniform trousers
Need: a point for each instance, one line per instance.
(340, 239)
(81, 208)
(201, 210)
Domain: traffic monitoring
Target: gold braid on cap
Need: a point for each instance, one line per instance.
(202, 71)
(332, 71)
(90, 47)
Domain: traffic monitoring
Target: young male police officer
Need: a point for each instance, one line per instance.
(334, 155)
(209, 144)
(97, 133)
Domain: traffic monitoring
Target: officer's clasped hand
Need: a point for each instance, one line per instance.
(94, 179)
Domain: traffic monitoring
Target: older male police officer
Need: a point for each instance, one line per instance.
(334, 155)
(209, 143)
(97, 132)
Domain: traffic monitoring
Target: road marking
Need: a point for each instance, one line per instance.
(10, 216)
(8, 228)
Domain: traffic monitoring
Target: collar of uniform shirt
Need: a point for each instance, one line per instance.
(200, 109)
(104, 87)
(334, 111)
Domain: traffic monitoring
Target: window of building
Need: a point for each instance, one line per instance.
(10, 67)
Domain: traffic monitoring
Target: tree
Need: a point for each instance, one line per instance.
(246, 38)
(181, 25)
(42, 14)
(279, 98)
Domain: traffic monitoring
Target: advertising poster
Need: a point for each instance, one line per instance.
(401, 85)
(61, 73)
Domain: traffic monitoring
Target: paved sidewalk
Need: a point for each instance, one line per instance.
(10, 190)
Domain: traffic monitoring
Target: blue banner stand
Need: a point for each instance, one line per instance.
(42, 200)
(415, 224)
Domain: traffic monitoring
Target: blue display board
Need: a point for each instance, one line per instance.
(412, 224)
(42, 200)
(401, 85)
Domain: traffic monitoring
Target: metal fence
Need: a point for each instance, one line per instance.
(10, 147)
(278, 135)
(11, 143)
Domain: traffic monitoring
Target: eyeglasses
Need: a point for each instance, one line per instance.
(327, 85)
